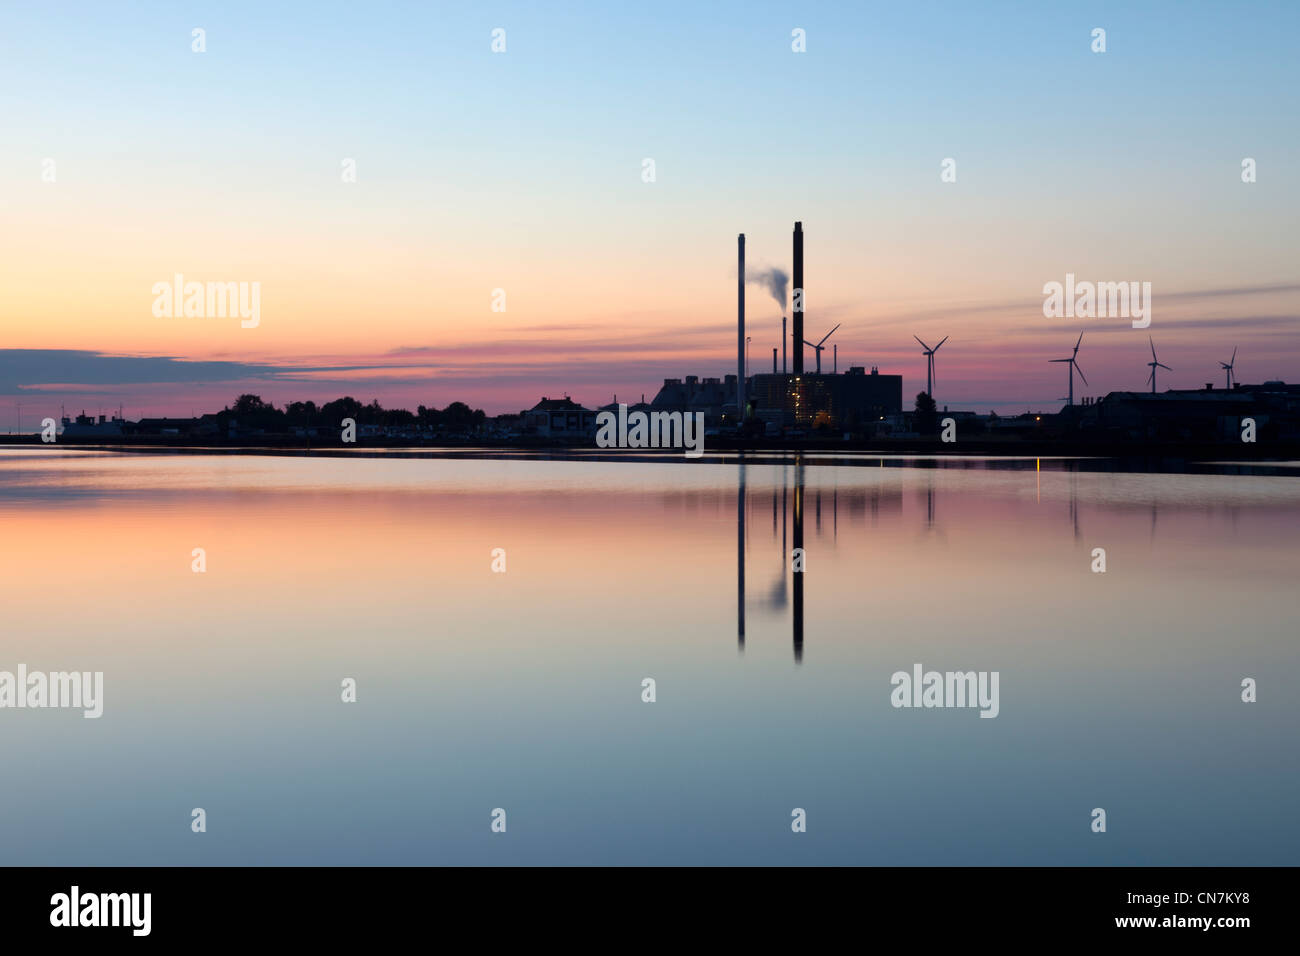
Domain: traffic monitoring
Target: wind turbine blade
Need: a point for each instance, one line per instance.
(1164, 366)
(1060, 360)
(941, 341)
(810, 345)
(1153, 347)
(830, 333)
(1079, 370)
(923, 345)
(1076, 344)
(1234, 356)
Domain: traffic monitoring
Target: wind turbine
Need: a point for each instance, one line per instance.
(1155, 363)
(1227, 366)
(929, 364)
(1074, 366)
(821, 345)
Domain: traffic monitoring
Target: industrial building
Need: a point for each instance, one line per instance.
(850, 402)
(1209, 414)
(715, 397)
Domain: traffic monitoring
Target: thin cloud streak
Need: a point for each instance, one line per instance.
(985, 356)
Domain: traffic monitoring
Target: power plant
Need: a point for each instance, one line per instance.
(799, 401)
(793, 402)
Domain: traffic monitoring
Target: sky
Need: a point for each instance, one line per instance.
(522, 171)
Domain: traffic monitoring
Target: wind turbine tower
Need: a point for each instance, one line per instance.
(1155, 363)
(821, 345)
(929, 363)
(1227, 367)
(1074, 367)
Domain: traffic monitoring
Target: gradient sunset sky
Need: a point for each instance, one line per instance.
(522, 171)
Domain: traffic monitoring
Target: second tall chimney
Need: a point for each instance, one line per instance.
(740, 327)
(798, 298)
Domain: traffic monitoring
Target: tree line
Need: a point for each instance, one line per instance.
(251, 411)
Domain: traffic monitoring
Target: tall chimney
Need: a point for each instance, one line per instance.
(783, 345)
(773, 361)
(798, 298)
(740, 326)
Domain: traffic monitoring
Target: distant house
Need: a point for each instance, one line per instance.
(177, 427)
(559, 418)
(85, 426)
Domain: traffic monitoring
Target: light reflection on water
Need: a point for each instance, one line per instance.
(523, 690)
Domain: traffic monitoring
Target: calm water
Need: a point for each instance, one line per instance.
(522, 690)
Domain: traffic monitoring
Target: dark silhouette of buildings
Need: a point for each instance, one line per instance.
(854, 401)
(1188, 415)
(559, 418)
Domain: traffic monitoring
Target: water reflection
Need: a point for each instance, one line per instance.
(799, 550)
(788, 498)
(523, 689)
(740, 556)
(787, 560)
(783, 486)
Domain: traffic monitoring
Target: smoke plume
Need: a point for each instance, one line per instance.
(773, 280)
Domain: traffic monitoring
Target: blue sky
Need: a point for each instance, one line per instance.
(521, 170)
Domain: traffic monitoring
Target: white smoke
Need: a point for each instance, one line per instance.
(773, 280)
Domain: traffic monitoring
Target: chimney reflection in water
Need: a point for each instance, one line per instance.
(798, 543)
(740, 559)
(777, 596)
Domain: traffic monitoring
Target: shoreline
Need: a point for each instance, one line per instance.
(1282, 460)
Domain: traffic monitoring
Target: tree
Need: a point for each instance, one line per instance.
(927, 414)
(457, 415)
(252, 405)
(251, 412)
(301, 413)
(334, 412)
